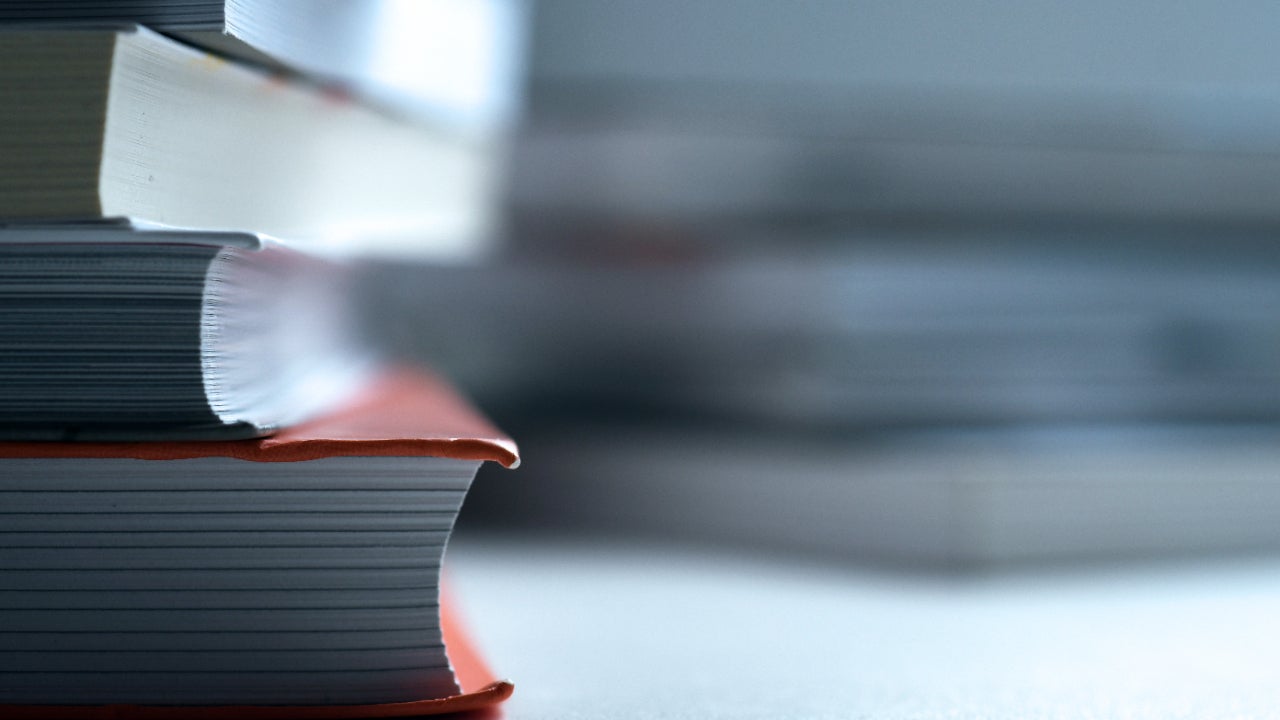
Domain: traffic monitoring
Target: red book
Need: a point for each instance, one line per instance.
(294, 576)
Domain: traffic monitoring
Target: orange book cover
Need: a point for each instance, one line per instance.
(406, 413)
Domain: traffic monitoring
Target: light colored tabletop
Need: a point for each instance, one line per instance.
(604, 630)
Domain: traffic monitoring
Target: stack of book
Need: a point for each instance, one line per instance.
(212, 493)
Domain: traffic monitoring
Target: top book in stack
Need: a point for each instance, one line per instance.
(123, 122)
(452, 61)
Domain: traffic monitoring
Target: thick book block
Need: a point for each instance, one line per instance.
(300, 570)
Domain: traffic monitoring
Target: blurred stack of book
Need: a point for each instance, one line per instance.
(214, 492)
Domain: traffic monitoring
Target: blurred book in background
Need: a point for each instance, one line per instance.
(971, 404)
(748, 115)
(802, 236)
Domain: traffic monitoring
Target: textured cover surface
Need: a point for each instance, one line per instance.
(405, 413)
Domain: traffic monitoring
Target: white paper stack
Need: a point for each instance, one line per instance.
(220, 581)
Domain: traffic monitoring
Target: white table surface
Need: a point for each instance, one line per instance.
(606, 630)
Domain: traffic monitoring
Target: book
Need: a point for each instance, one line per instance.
(454, 61)
(119, 331)
(954, 499)
(298, 570)
(126, 123)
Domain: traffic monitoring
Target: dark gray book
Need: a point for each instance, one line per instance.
(107, 330)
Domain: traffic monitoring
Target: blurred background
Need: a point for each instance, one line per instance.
(973, 285)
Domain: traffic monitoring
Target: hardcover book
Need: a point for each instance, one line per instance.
(300, 570)
(112, 331)
(127, 123)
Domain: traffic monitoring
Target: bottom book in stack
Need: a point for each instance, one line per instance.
(297, 570)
